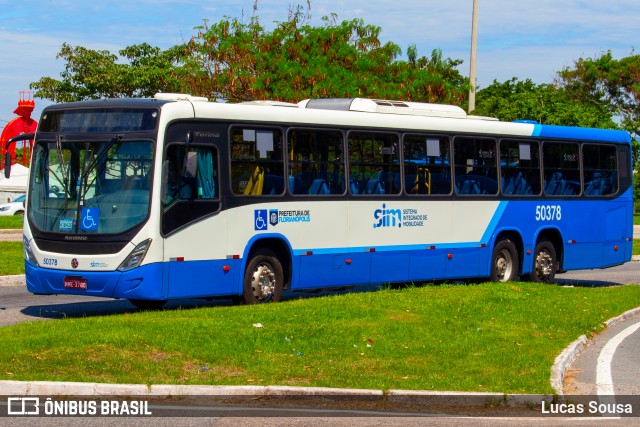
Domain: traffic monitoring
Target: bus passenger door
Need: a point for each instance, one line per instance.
(193, 226)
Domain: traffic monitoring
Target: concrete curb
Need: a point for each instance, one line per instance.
(443, 400)
(562, 362)
(45, 388)
(568, 355)
(17, 280)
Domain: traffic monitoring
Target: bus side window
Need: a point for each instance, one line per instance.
(257, 164)
(561, 169)
(316, 162)
(600, 169)
(475, 166)
(374, 163)
(519, 168)
(427, 169)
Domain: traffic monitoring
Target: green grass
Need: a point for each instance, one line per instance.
(489, 337)
(11, 221)
(12, 259)
(636, 247)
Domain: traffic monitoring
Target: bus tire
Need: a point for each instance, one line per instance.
(545, 263)
(147, 304)
(504, 262)
(263, 278)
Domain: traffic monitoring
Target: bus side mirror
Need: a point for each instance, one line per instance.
(7, 165)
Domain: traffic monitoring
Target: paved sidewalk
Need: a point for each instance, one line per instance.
(10, 235)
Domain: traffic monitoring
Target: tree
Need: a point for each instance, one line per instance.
(91, 74)
(545, 103)
(237, 61)
(610, 84)
(550, 104)
(613, 85)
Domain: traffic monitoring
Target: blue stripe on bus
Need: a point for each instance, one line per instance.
(387, 248)
(497, 215)
(568, 132)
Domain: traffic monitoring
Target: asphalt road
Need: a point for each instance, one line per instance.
(609, 363)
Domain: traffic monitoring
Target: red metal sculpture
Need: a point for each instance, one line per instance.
(21, 124)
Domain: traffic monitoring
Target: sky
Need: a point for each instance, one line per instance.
(523, 39)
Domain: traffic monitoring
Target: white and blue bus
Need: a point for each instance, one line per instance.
(176, 197)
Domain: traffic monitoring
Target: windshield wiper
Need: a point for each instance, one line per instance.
(62, 166)
(99, 158)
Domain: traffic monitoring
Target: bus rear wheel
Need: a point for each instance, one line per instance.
(545, 263)
(504, 262)
(263, 279)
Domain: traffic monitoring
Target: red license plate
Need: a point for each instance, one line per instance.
(70, 283)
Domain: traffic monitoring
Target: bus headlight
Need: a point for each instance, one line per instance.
(136, 256)
(28, 253)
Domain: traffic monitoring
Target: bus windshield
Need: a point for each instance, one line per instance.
(97, 186)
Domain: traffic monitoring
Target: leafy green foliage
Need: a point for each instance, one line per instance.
(609, 84)
(545, 103)
(238, 61)
(91, 74)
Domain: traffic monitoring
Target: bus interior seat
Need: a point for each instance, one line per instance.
(273, 184)
(319, 186)
(374, 186)
(390, 181)
(296, 185)
(555, 185)
(516, 185)
(353, 187)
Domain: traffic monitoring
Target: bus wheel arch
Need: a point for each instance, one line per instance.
(506, 257)
(268, 271)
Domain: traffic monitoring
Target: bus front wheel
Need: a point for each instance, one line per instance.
(505, 263)
(545, 263)
(263, 279)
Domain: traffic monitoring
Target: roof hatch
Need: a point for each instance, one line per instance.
(385, 107)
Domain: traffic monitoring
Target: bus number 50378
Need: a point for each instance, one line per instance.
(548, 213)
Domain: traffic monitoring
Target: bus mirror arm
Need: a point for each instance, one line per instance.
(190, 161)
(7, 165)
(8, 158)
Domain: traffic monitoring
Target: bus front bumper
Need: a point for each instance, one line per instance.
(144, 282)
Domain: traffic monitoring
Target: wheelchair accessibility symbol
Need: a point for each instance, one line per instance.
(260, 218)
(89, 219)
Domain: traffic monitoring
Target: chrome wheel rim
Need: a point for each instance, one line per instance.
(504, 265)
(263, 282)
(544, 264)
